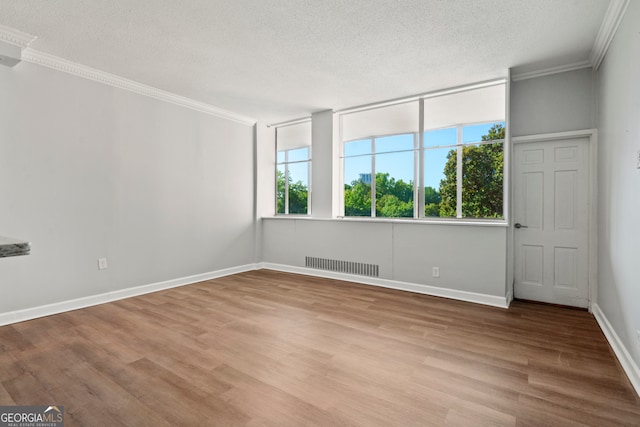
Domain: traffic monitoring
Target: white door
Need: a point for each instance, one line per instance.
(551, 187)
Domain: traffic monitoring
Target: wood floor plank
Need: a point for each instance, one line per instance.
(266, 348)
(270, 404)
(26, 389)
(10, 366)
(12, 340)
(5, 397)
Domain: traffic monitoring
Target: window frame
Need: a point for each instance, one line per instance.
(286, 164)
(373, 154)
(296, 137)
(419, 168)
(459, 146)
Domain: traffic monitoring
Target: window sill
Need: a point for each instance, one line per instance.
(425, 221)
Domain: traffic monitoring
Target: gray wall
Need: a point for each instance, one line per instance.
(619, 182)
(89, 171)
(471, 258)
(554, 103)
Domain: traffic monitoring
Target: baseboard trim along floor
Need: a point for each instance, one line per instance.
(7, 318)
(494, 301)
(621, 352)
(78, 303)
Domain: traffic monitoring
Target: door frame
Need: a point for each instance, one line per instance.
(592, 195)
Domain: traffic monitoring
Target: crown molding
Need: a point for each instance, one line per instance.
(608, 28)
(549, 71)
(15, 37)
(23, 40)
(610, 23)
(60, 64)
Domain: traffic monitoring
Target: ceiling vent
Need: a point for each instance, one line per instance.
(10, 54)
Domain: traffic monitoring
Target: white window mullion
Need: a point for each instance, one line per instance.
(459, 175)
(309, 163)
(416, 177)
(419, 203)
(286, 182)
(285, 177)
(373, 177)
(341, 188)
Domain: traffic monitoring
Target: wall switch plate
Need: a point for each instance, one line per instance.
(638, 334)
(638, 160)
(102, 263)
(436, 271)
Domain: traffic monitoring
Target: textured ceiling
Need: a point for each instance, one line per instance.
(280, 59)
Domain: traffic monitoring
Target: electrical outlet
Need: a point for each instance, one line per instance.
(638, 160)
(436, 271)
(102, 263)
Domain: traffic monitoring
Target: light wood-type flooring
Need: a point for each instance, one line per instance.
(265, 348)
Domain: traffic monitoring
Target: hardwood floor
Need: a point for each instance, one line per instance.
(266, 348)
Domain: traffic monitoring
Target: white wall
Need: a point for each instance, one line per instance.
(324, 200)
(89, 171)
(555, 103)
(619, 182)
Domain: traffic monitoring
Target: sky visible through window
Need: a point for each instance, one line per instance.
(400, 165)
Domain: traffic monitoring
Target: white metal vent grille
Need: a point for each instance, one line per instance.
(349, 267)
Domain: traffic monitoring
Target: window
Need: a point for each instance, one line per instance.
(479, 181)
(293, 168)
(390, 160)
(379, 171)
(437, 157)
(463, 156)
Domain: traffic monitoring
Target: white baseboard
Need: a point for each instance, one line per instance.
(628, 364)
(477, 298)
(75, 304)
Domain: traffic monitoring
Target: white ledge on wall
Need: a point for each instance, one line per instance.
(413, 221)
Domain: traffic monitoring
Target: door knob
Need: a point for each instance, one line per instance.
(518, 225)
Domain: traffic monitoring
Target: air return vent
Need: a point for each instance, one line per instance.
(349, 267)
